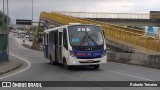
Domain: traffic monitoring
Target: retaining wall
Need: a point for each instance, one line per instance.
(135, 58)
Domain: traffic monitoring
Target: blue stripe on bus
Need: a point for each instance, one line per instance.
(88, 54)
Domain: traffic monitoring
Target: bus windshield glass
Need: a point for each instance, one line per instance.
(85, 35)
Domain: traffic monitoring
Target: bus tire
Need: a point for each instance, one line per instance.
(51, 62)
(67, 67)
(96, 66)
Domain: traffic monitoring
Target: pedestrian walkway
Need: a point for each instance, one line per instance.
(12, 64)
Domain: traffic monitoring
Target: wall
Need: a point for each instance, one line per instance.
(135, 59)
(3, 47)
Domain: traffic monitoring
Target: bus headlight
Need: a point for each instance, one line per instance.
(104, 53)
(72, 54)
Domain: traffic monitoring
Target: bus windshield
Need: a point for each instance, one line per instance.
(85, 35)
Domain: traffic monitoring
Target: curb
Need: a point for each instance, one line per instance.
(13, 64)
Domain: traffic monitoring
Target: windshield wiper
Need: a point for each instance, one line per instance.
(83, 39)
(92, 39)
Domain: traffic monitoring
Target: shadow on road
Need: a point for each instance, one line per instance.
(75, 68)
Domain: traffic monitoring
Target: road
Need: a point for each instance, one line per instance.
(41, 70)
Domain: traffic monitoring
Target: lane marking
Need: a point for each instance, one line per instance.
(131, 75)
(20, 45)
(18, 41)
(22, 70)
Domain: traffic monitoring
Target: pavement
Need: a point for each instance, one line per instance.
(14, 62)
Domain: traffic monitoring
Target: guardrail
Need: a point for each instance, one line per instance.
(126, 36)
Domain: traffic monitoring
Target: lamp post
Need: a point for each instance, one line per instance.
(32, 10)
(32, 17)
(3, 17)
(7, 29)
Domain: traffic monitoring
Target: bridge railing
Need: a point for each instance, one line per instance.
(126, 36)
(107, 15)
(102, 23)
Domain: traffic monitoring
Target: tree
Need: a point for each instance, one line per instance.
(1, 19)
(3, 26)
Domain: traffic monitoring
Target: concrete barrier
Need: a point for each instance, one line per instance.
(135, 58)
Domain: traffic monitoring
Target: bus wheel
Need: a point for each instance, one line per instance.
(96, 66)
(66, 66)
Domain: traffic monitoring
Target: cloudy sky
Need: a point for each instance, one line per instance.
(22, 9)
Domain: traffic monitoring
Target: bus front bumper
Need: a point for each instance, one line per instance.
(74, 61)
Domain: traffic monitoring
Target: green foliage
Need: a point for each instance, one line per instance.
(3, 26)
(1, 19)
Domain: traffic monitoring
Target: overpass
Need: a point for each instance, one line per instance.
(132, 40)
(125, 19)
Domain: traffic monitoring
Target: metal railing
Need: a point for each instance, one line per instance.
(107, 15)
(126, 36)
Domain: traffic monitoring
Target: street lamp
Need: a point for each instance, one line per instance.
(32, 17)
(3, 16)
(8, 29)
(32, 10)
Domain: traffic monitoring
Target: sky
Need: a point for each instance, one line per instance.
(22, 9)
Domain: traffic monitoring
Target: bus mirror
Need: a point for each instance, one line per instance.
(104, 33)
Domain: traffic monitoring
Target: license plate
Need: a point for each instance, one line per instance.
(89, 61)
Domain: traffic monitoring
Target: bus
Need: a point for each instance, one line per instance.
(75, 45)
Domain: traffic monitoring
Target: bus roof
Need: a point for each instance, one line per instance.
(56, 28)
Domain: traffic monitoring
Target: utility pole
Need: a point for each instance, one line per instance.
(32, 10)
(8, 29)
(3, 17)
(32, 17)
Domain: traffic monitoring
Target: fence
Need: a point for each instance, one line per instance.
(108, 15)
(3, 47)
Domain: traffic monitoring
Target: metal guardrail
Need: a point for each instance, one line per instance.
(126, 36)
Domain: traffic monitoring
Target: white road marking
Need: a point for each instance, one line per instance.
(20, 45)
(18, 41)
(22, 70)
(130, 75)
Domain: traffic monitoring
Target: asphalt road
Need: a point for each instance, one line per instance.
(41, 70)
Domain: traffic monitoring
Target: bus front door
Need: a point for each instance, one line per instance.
(45, 46)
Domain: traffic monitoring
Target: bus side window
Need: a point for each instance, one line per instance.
(65, 43)
(47, 39)
(51, 37)
(44, 37)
